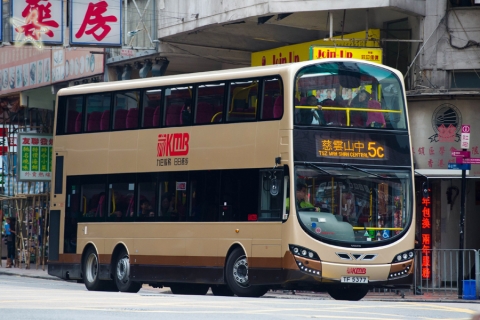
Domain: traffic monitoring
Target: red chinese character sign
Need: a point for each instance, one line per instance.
(96, 22)
(34, 154)
(37, 22)
(426, 234)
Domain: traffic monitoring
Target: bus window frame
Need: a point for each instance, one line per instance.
(62, 112)
(112, 108)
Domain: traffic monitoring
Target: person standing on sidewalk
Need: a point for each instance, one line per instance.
(10, 233)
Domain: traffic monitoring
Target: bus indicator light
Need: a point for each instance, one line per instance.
(252, 217)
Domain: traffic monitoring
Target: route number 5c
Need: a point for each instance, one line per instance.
(374, 151)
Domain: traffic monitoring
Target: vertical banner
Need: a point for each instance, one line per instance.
(95, 22)
(37, 21)
(34, 157)
(426, 234)
(1, 23)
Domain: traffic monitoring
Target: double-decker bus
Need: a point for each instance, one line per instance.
(295, 176)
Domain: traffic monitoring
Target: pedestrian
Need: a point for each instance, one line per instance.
(10, 233)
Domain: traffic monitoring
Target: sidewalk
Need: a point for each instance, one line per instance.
(399, 296)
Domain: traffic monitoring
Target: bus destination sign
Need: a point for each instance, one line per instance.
(350, 149)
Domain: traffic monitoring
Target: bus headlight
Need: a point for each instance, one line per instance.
(303, 252)
(403, 256)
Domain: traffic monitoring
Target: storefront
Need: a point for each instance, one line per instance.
(436, 122)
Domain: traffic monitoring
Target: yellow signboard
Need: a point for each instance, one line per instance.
(368, 54)
(301, 51)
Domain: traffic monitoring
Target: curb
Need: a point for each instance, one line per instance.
(29, 276)
(285, 296)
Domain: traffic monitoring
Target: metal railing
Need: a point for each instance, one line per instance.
(437, 271)
(441, 277)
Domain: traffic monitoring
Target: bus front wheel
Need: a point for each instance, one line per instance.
(237, 276)
(345, 292)
(90, 269)
(122, 274)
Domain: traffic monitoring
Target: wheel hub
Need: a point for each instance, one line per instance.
(123, 269)
(240, 271)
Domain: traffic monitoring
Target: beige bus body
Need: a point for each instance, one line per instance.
(220, 146)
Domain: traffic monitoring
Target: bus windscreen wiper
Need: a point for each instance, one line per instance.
(361, 170)
(320, 169)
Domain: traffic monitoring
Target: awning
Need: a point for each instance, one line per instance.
(441, 173)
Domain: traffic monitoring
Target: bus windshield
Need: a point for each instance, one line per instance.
(353, 205)
(351, 94)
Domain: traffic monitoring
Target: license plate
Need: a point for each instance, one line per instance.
(354, 279)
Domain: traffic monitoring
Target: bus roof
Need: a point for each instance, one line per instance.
(216, 75)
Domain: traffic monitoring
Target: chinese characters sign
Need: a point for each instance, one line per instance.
(426, 234)
(350, 148)
(37, 21)
(35, 157)
(95, 22)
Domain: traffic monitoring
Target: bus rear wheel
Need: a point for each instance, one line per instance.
(345, 292)
(237, 276)
(91, 269)
(122, 274)
(189, 288)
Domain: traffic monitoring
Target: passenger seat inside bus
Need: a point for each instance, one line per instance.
(205, 112)
(93, 121)
(278, 108)
(120, 119)
(132, 118)
(71, 120)
(78, 123)
(156, 117)
(172, 116)
(267, 112)
(105, 120)
(375, 118)
(148, 114)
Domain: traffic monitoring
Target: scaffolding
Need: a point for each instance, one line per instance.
(25, 202)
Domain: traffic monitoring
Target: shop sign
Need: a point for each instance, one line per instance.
(24, 68)
(77, 63)
(437, 128)
(426, 234)
(301, 52)
(37, 22)
(95, 23)
(367, 54)
(34, 157)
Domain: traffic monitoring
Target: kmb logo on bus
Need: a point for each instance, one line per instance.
(172, 144)
(356, 270)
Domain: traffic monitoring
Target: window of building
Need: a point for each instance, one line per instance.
(465, 80)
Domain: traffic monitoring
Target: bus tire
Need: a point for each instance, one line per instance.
(236, 272)
(189, 288)
(90, 269)
(345, 292)
(221, 290)
(122, 274)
